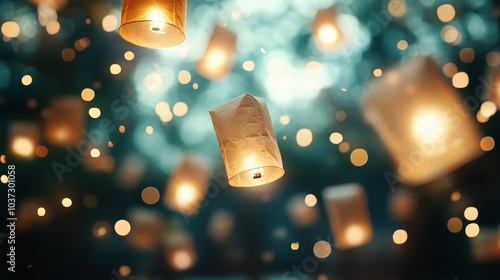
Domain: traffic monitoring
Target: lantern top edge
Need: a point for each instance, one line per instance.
(343, 190)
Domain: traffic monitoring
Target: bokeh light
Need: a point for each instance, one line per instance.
(310, 200)
(26, 80)
(400, 236)
(460, 80)
(359, 157)
(472, 230)
(150, 195)
(304, 137)
(454, 225)
(122, 227)
(322, 249)
(471, 213)
(487, 143)
(41, 211)
(294, 246)
(336, 138)
(180, 109)
(446, 12)
(88, 94)
(66, 202)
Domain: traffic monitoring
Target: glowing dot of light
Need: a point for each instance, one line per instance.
(87, 94)
(341, 116)
(328, 34)
(195, 85)
(322, 249)
(400, 236)
(336, 138)
(402, 45)
(472, 230)
(310, 200)
(359, 157)
(493, 59)
(460, 80)
(344, 147)
(41, 151)
(450, 69)
(184, 77)
(467, 55)
(488, 109)
(180, 109)
(124, 270)
(94, 112)
(41, 211)
(397, 8)
(354, 235)
(304, 137)
(481, 118)
(53, 27)
(182, 260)
(149, 129)
(4, 179)
(115, 69)
(122, 227)
(454, 225)
(68, 54)
(284, 120)
(455, 196)
(95, 153)
(121, 128)
(150, 195)
(377, 72)
(487, 143)
(109, 23)
(294, 246)
(66, 202)
(10, 29)
(445, 12)
(26, 80)
(248, 65)
(23, 146)
(471, 213)
(129, 55)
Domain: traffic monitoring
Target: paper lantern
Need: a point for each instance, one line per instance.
(493, 85)
(216, 63)
(325, 31)
(220, 225)
(247, 142)
(300, 214)
(180, 250)
(24, 137)
(146, 229)
(131, 171)
(424, 124)
(187, 185)
(402, 204)
(153, 23)
(348, 215)
(485, 247)
(65, 121)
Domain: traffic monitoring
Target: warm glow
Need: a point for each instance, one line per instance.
(115, 69)
(377, 72)
(427, 124)
(162, 108)
(354, 235)
(10, 29)
(284, 120)
(488, 109)
(322, 249)
(109, 23)
(4, 179)
(23, 146)
(450, 69)
(149, 129)
(344, 147)
(336, 138)
(95, 153)
(359, 157)
(487, 143)
(341, 116)
(94, 113)
(480, 118)
(472, 230)
(157, 21)
(455, 196)
(101, 230)
(185, 195)
(41, 211)
(294, 246)
(215, 58)
(124, 270)
(182, 260)
(68, 54)
(150, 195)
(328, 34)
(467, 55)
(471, 213)
(88, 94)
(26, 80)
(402, 45)
(180, 109)
(400, 236)
(41, 151)
(248, 65)
(122, 227)
(446, 12)
(454, 225)
(184, 77)
(397, 8)
(460, 80)
(310, 200)
(121, 128)
(304, 137)
(450, 35)
(129, 55)
(66, 202)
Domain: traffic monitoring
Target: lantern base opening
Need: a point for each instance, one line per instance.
(152, 34)
(256, 176)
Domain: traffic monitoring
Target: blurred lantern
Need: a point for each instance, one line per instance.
(216, 63)
(220, 225)
(146, 229)
(325, 31)
(485, 246)
(402, 205)
(180, 250)
(300, 214)
(494, 85)
(422, 121)
(65, 121)
(131, 171)
(98, 160)
(247, 142)
(23, 139)
(152, 23)
(348, 214)
(187, 185)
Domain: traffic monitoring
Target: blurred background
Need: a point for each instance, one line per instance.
(96, 127)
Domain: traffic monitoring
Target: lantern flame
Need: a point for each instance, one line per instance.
(157, 22)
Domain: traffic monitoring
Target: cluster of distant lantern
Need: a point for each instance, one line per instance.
(425, 125)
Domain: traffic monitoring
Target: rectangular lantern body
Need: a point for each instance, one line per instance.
(153, 23)
(300, 214)
(247, 141)
(325, 30)
(485, 247)
(348, 215)
(221, 225)
(187, 185)
(216, 63)
(425, 125)
(146, 229)
(24, 137)
(65, 121)
(180, 250)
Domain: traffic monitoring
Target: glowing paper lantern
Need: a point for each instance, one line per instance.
(23, 139)
(180, 250)
(422, 121)
(220, 225)
(65, 121)
(485, 247)
(300, 214)
(216, 63)
(146, 229)
(152, 23)
(348, 214)
(187, 185)
(247, 142)
(325, 31)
